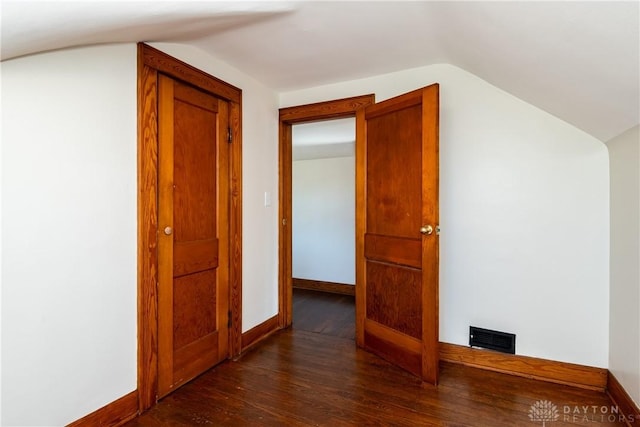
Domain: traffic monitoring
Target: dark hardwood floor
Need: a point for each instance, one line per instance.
(324, 313)
(313, 375)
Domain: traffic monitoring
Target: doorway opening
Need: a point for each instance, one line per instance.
(323, 227)
(397, 172)
(305, 118)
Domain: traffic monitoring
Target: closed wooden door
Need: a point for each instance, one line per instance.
(193, 268)
(397, 265)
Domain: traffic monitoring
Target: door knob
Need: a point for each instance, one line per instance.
(426, 229)
(168, 231)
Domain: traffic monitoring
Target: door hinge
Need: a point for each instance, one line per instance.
(229, 319)
(229, 135)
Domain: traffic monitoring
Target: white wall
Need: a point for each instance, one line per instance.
(69, 225)
(68, 233)
(524, 201)
(624, 327)
(260, 175)
(324, 219)
(1, 242)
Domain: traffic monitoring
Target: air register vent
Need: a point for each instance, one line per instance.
(493, 340)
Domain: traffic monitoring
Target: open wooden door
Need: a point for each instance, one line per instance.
(397, 242)
(193, 235)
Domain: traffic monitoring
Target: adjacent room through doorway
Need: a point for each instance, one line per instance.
(323, 226)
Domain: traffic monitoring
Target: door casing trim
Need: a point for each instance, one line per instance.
(151, 62)
(335, 109)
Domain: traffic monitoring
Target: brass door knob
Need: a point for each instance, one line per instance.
(426, 229)
(168, 231)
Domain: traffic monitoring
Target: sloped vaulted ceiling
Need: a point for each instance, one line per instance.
(577, 60)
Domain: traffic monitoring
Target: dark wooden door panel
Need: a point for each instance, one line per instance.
(194, 307)
(194, 256)
(196, 357)
(394, 172)
(398, 266)
(394, 348)
(394, 297)
(394, 250)
(193, 209)
(194, 179)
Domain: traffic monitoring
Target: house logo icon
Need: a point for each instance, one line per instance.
(543, 411)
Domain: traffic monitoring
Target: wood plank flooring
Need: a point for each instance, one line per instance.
(324, 313)
(313, 375)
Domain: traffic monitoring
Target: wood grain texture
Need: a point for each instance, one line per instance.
(394, 173)
(285, 233)
(147, 233)
(195, 256)
(308, 375)
(317, 285)
(300, 378)
(393, 250)
(259, 332)
(390, 350)
(196, 97)
(340, 108)
(620, 397)
(165, 285)
(185, 72)
(361, 224)
(399, 266)
(529, 367)
(114, 414)
(324, 313)
(235, 230)
(194, 178)
(195, 307)
(394, 297)
(150, 62)
(193, 207)
(195, 358)
(223, 213)
(431, 243)
(406, 100)
(389, 334)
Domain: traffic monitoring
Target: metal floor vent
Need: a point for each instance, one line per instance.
(493, 340)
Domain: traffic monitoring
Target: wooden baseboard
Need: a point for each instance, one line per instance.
(586, 377)
(315, 285)
(259, 332)
(113, 414)
(621, 398)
